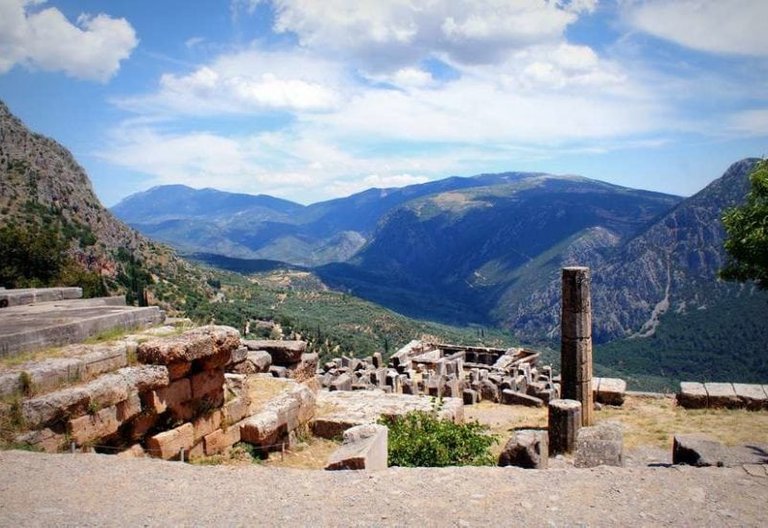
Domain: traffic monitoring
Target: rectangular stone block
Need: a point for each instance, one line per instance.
(140, 425)
(611, 391)
(261, 429)
(106, 359)
(365, 447)
(207, 382)
(722, 395)
(221, 439)
(196, 451)
(752, 396)
(509, 397)
(342, 383)
(174, 395)
(235, 410)
(179, 369)
(129, 408)
(692, 395)
(205, 425)
(44, 439)
(167, 445)
(91, 427)
(217, 361)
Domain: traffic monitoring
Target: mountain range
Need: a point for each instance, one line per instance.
(488, 249)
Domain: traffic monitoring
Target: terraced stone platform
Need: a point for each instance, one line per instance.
(44, 324)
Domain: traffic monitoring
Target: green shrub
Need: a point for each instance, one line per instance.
(421, 439)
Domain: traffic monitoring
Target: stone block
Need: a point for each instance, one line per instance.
(235, 410)
(145, 377)
(141, 424)
(722, 395)
(692, 395)
(45, 439)
(342, 383)
(167, 445)
(610, 391)
(510, 397)
(284, 353)
(753, 397)
(377, 360)
(306, 368)
(217, 361)
(239, 355)
(221, 439)
(261, 429)
(260, 359)
(129, 408)
(174, 395)
(528, 448)
(108, 390)
(196, 451)
(55, 406)
(90, 427)
(179, 369)
(488, 391)
(600, 445)
(701, 450)
(206, 382)
(194, 344)
(279, 372)
(470, 396)
(105, 358)
(205, 425)
(364, 447)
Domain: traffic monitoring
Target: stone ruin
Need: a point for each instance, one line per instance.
(473, 374)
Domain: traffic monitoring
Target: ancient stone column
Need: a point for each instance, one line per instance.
(576, 341)
(563, 423)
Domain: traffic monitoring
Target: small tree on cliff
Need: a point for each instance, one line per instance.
(746, 227)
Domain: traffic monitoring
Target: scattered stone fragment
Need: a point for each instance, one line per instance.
(600, 445)
(364, 447)
(528, 448)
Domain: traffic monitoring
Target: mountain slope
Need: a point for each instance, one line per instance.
(469, 247)
(43, 190)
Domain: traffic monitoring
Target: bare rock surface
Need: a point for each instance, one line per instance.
(81, 490)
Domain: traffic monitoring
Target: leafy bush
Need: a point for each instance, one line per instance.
(421, 439)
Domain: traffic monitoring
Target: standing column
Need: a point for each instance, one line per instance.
(576, 341)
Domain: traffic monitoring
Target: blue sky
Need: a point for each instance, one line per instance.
(310, 100)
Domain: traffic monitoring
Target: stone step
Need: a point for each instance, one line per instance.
(20, 297)
(36, 326)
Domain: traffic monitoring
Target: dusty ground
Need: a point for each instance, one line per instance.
(101, 490)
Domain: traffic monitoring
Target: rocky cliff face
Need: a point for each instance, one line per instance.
(670, 266)
(41, 184)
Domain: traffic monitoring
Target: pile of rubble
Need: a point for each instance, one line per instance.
(473, 374)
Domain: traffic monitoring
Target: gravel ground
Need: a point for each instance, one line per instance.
(101, 490)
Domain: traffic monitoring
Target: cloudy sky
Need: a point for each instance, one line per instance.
(314, 99)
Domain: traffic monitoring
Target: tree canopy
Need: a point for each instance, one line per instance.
(746, 228)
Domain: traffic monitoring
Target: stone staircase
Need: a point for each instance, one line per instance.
(34, 319)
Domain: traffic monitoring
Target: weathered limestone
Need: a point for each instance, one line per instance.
(722, 395)
(609, 391)
(283, 414)
(511, 397)
(692, 395)
(576, 340)
(168, 445)
(753, 397)
(702, 450)
(194, 344)
(221, 439)
(24, 296)
(364, 447)
(528, 448)
(600, 445)
(283, 353)
(87, 428)
(36, 326)
(340, 410)
(564, 422)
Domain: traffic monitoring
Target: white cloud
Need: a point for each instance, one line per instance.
(386, 35)
(246, 82)
(718, 26)
(92, 48)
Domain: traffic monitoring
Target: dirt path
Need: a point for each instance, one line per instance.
(99, 490)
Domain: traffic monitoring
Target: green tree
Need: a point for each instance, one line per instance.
(747, 233)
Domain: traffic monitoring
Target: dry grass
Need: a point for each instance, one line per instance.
(648, 422)
(312, 453)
